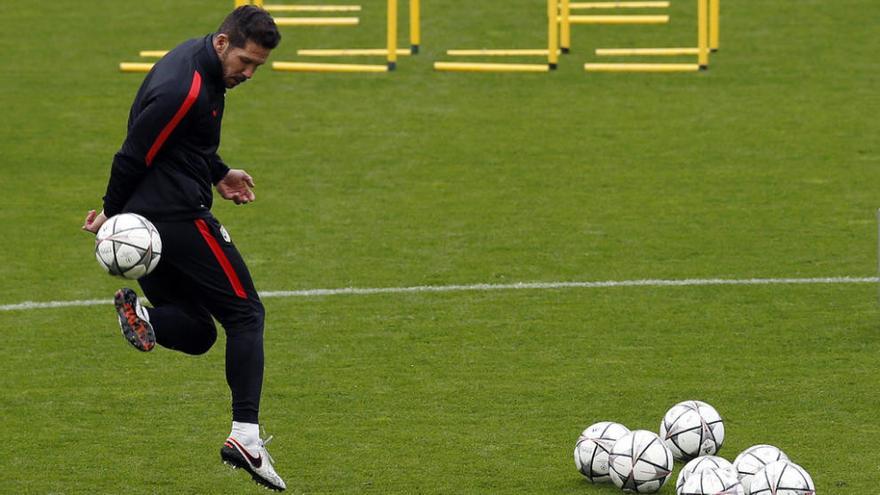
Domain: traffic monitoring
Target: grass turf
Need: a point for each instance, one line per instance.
(764, 166)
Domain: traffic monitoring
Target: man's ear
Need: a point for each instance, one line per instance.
(221, 43)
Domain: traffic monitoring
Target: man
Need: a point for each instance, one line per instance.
(164, 171)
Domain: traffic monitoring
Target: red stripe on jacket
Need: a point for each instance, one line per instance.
(221, 258)
(191, 97)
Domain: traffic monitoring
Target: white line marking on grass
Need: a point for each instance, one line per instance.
(53, 304)
(688, 282)
(567, 285)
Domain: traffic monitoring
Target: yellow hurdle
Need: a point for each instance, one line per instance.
(551, 52)
(152, 53)
(390, 52)
(135, 66)
(307, 67)
(641, 67)
(414, 39)
(486, 67)
(708, 25)
(312, 8)
(701, 51)
(619, 5)
(316, 21)
(618, 19)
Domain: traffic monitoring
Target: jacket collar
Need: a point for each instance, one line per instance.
(210, 62)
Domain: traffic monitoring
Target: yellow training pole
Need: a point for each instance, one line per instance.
(239, 3)
(316, 21)
(392, 34)
(714, 22)
(619, 5)
(703, 33)
(552, 33)
(415, 29)
(307, 67)
(152, 53)
(513, 52)
(312, 8)
(481, 67)
(135, 67)
(349, 52)
(565, 26)
(641, 67)
(618, 19)
(625, 52)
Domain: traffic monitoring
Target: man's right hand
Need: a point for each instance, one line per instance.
(94, 221)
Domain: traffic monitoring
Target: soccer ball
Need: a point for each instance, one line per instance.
(700, 464)
(713, 482)
(593, 446)
(640, 462)
(128, 245)
(691, 429)
(782, 478)
(753, 459)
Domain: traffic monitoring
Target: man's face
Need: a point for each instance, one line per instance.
(239, 64)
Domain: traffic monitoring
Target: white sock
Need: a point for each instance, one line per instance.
(245, 431)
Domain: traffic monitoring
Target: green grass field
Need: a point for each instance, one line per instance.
(766, 166)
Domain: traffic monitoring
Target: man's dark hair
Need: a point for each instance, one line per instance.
(250, 23)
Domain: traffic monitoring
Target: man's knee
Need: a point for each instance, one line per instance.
(203, 345)
(250, 320)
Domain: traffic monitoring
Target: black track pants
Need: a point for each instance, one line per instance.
(201, 275)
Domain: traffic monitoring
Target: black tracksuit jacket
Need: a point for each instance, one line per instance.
(168, 163)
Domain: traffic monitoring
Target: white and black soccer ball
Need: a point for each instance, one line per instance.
(593, 446)
(128, 245)
(713, 482)
(782, 478)
(700, 464)
(692, 428)
(753, 459)
(640, 462)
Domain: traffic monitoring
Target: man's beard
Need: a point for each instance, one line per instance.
(233, 81)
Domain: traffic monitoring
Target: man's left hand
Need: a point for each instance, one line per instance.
(237, 186)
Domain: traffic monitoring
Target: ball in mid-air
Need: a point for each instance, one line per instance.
(692, 428)
(128, 245)
(640, 462)
(593, 446)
